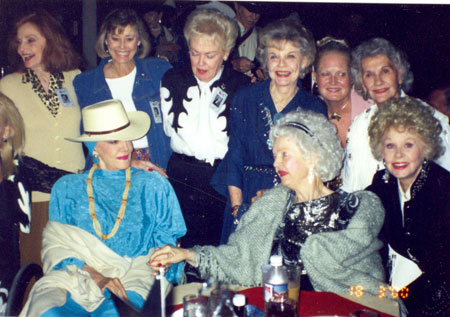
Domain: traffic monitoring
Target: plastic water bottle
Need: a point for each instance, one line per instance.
(276, 294)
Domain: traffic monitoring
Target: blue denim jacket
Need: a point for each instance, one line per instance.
(91, 87)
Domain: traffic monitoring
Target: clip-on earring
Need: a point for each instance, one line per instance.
(386, 173)
(302, 72)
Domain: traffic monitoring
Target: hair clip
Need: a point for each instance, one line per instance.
(300, 126)
(330, 39)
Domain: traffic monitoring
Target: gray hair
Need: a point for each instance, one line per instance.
(213, 24)
(286, 30)
(380, 46)
(316, 138)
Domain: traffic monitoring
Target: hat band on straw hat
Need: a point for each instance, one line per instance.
(108, 121)
(89, 133)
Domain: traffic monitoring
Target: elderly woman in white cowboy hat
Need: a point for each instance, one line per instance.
(104, 223)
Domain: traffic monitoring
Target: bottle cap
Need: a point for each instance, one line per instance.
(239, 300)
(276, 260)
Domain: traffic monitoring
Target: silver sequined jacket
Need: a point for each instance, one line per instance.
(334, 261)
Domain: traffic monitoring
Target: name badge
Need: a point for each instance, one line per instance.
(156, 111)
(64, 97)
(219, 97)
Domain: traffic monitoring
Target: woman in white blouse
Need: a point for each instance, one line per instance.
(126, 75)
(195, 104)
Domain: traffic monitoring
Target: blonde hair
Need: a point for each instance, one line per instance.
(406, 114)
(12, 145)
(213, 24)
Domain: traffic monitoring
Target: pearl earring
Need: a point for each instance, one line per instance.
(385, 177)
(310, 175)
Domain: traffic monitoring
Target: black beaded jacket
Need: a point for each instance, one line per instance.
(424, 237)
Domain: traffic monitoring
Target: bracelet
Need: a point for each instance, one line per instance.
(234, 209)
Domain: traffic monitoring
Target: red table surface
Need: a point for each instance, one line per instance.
(312, 303)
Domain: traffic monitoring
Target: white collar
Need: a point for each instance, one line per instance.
(404, 196)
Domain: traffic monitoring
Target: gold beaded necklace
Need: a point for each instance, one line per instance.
(123, 205)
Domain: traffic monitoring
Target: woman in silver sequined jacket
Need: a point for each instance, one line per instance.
(331, 235)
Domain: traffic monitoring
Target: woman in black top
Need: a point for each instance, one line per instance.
(413, 190)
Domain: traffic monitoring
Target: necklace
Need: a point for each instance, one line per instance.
(123, 205)
(336, 115)
(281, 101)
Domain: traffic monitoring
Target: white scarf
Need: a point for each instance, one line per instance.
(61, 241)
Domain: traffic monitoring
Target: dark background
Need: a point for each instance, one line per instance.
(422, 31)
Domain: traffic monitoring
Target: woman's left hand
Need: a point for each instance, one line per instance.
(103, 282)
(148, 166)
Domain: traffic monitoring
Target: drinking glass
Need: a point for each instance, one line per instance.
(294, 274)
(195, 306)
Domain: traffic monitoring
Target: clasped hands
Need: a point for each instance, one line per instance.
(168, 255)
(165, 256)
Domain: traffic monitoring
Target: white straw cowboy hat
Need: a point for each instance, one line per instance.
(108, 121)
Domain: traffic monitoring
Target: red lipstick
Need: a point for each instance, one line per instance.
(399, 165)
(282, 173)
